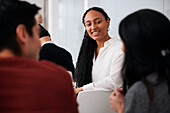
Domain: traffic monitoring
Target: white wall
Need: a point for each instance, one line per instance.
(53, 20)
(167, 8)
(65, 24)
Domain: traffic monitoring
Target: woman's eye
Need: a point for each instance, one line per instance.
(88, 25)
(99, 22)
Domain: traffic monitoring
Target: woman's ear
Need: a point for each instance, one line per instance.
(21, 33)
(108, 23)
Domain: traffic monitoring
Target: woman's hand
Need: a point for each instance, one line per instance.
(117, 100)
(77, 90)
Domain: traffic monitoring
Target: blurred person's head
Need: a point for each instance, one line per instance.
(19, 31)
(146, 38)
(39, 18)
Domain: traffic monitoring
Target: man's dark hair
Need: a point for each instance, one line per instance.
(43, 32)
(12, 14)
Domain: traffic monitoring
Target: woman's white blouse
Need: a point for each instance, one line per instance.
(107, 67)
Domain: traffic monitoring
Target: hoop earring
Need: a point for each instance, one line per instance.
(108, 29)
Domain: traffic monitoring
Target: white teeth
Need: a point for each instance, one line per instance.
(95, 33)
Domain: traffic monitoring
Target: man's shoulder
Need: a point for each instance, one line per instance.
(62, 49)
(54, 46)
(32, 67)
(51, 71)
(50, 66)
(43, 67)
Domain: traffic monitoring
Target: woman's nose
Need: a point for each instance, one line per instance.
(93, 26)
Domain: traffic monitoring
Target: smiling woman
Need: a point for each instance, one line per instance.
(100, 58)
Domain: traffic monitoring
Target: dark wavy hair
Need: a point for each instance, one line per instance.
(13, 13)
(83, 71)
(146, 34)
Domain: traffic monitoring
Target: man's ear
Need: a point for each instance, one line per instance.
(21, 34)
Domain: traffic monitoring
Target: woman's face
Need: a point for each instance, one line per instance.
(96, 25)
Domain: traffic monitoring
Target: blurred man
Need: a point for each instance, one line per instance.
(27, 85)
(52, 52)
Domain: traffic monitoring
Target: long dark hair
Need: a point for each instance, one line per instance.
(83, 71)
(146, 36)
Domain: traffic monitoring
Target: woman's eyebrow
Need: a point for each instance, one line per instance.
(94, 19)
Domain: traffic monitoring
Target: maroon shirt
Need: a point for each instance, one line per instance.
(29, 86)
